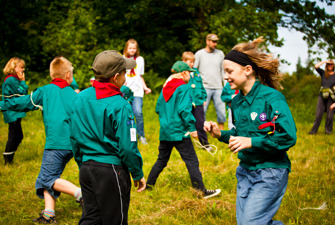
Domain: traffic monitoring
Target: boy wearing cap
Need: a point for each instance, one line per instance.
(56, 99)
(209, 62)
(174, 108)
(105, 147)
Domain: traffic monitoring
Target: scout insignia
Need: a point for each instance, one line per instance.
(262, 117)
(193, 85)
(253, 115)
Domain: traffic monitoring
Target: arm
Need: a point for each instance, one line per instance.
(317, 66)
(13, 86)
(185, 108)
(23, 103)
(128, 151)
(145, 88)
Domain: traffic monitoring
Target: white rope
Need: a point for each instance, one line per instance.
(322, 207)
(9, 96)
(211, 148)
(32, 102)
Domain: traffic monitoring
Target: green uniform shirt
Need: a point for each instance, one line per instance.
(175, 115)
(127, 93)
(197, 91)
(260, 106)
(57, 105)
(10, 87)
(101, 131)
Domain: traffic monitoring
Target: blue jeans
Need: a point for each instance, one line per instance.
(259, 194)
(53, 165)
(137, 105)
(219, 105)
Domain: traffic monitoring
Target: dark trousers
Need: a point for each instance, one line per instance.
(187, 153)
(15, 137)
(106, 193)
(323, 106)
(199, 115)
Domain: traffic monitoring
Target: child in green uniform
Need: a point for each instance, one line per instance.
(105, 144)
(127, 93)
(264, 131)
(174, 108)
(56, 99)
(13, 86)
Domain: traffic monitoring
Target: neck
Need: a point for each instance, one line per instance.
(248, 86)
(209, 50)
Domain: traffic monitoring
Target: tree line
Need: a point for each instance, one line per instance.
(39, 30)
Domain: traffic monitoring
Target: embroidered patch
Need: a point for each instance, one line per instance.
(130, 122)
(262, 117)
(193, 85)
(253, 115)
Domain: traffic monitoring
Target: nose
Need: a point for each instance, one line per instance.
(225, 76)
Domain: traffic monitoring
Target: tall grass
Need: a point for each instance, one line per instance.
(173, 201)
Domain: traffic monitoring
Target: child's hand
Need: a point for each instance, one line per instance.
(147, 91)
(204, 103)
(332, 106)
(212, 128)
(238, 143)
(141, 184)
(194, 134)
(21, 76)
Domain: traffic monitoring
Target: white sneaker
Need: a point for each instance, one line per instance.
(143, 140)
(211, 193)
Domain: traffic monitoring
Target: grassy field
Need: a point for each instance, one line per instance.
(173, 201)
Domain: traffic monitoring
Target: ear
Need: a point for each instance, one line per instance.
(115, 77)
(248, 69)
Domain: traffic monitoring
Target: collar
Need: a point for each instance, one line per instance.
(170, 88)
(60, 82)
(105, 90)
(11, 75)
(251, 94)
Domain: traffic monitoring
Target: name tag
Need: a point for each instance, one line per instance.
(132, 134)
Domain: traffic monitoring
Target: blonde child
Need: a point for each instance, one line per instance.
(264, 131)
(136, 83)
(176, 120)
(56, 99)
(13, 86)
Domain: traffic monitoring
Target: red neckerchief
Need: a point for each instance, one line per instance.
(104, 90)
(60, 82)
(236, 92)
(170, 88)
(132, 71)
(11, 75)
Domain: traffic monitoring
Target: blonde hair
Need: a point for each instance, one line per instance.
(59, 66)
(131, 41)
(188, 56)
(268, 72)
(12, 64)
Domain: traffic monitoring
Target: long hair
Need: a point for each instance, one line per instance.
(132, 41)
(328, 71)
(12, 64)
(268, 72)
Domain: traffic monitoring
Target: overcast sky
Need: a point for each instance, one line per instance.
(294, 46)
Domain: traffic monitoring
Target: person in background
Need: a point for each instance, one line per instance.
(264, 132)
(136, 83)
(75, 86)
(57, 100)
(198, 95)
(176, 125)
(226, 96)
(326, 97)
(209, 61)
(13, 86)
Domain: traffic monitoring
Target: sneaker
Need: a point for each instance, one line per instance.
(143, 140)
(43, 220)
(211, 193)
(311, 132)
(81, 202)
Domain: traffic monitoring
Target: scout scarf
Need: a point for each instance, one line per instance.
(170, 88)
(11, 75)
(104, 90)
(132, 71)
(60, 82)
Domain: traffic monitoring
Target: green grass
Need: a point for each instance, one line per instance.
(173, 201)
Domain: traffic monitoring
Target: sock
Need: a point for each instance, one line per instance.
(47, 213)
(77, 194)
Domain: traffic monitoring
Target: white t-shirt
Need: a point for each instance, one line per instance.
(133, 81)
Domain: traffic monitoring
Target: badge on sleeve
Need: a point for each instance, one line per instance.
(193, 85)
